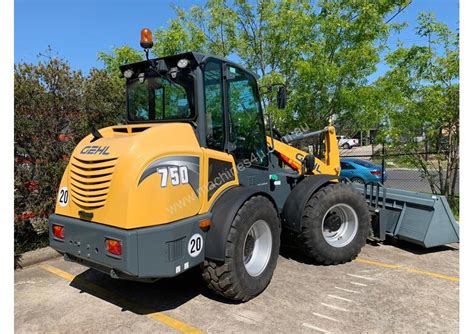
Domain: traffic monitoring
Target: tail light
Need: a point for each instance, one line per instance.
(58, 231)
(376, 172)
(113, 246)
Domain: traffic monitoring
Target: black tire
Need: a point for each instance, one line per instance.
(230, 278)
(346, 146)
(312, 238)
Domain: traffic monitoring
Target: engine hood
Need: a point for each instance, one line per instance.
(115, 179)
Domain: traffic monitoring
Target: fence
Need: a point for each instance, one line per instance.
(421, 171)
(415, 171)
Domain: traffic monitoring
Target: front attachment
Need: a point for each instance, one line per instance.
(420, 218)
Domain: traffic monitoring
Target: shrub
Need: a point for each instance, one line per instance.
(55, 106)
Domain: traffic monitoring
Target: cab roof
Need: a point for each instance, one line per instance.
(166, 63)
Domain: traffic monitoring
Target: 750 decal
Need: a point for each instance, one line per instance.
(176, 174)
(180, 169)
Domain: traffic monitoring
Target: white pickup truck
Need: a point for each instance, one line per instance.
(347, 143)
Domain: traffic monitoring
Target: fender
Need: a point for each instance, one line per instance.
(299, 196)
(223, 211)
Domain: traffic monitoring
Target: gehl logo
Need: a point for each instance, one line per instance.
(100, 150)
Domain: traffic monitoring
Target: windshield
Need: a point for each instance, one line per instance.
(158, 98)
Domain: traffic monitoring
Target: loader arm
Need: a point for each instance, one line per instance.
(294, 157)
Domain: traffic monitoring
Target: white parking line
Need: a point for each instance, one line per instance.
(346, 290)
(325, 317)
(359, 284)
(369, 270)
(363, 277)
(340, 298)
(335, 307)
(315, 328)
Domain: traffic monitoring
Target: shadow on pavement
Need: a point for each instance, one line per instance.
(417, 249)
(145, 298)
(168, 294)
(293, 253)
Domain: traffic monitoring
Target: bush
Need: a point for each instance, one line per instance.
(55, 107)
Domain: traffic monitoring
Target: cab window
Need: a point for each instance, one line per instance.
(154, 98)
(214, 105)
(246, 127)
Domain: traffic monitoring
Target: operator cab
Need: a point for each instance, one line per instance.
(218, 97)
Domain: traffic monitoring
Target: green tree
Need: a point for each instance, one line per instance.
(322, 52)
(341, 52)
(421, 97)
(119, 56)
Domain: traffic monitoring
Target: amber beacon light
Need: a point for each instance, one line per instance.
(146, 39)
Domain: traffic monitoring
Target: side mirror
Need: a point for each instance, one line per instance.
(281, 97)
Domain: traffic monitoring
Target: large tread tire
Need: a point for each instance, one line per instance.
(312, 239)
(230, 278)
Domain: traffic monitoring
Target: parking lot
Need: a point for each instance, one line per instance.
(387, 289)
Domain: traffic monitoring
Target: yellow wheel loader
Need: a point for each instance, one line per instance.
(193, 179)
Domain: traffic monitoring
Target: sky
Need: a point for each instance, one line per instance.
(78, 30)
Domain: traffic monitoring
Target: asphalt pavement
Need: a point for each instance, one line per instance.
(387, 289)
(409, 179)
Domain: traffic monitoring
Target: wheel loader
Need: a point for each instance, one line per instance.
(195, 179)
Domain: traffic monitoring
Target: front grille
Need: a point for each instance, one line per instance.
(90, 182)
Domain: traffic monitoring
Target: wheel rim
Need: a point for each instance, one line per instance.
(357, 180)
(340, 225)
(257, 248)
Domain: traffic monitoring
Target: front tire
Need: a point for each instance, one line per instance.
(251, 252)
(335, 224)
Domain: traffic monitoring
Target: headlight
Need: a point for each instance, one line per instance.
(128, 74)
(183, 63)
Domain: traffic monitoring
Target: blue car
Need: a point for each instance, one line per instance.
(361, 171)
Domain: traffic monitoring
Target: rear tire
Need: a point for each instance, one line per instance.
(335, 224)
(346, 146)
(251, 252)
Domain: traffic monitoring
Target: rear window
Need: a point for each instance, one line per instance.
(363, 163)
(154, 98)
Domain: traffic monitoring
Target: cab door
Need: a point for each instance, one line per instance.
(220, 170)
(245, 128)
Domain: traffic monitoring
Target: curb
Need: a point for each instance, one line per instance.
(37, 256)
